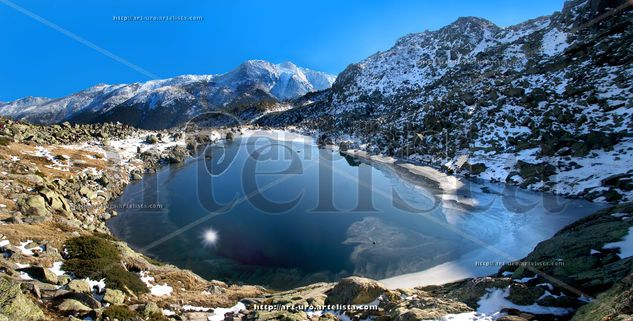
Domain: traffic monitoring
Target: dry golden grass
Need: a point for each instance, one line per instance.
(190, 288)
(48, 232)
(78, 159)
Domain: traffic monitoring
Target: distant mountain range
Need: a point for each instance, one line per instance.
(168, 102)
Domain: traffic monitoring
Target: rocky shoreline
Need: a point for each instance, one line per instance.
(58, 181)
(57, 184)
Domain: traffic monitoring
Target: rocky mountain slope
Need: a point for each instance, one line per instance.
(169, 102)
(544, 104)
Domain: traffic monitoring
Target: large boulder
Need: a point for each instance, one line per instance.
(416, 314)
(87, 192)
(54, 200)
(84, 298)
(15, 305)
(72, 306)
(81, 286)
(151, 139)
(113, 296)
(36, 205)
(177, 155)
(355, 290)
(540, 170)
(41, 273)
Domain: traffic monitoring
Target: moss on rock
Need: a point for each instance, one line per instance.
(15, 305)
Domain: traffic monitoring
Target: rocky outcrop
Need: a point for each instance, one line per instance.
(468, 291)
(81, 286)
(614, 304)
(70, 306)
(66, 133)
(561, 272)
(576, 254)
(355, 290)
(14, 305)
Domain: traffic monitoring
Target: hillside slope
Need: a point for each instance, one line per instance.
(545, 104)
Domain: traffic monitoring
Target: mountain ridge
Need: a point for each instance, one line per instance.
(185, 95)
(553, 92)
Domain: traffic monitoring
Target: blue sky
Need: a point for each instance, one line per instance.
(326, 35)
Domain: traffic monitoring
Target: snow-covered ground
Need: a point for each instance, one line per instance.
(491, 304)
(587, 173)
(124, 151)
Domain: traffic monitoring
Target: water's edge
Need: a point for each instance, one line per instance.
(438, 274)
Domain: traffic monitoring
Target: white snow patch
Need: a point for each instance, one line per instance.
(526, 279)
(56, 163)
(625, 246)
(548, 285)
(620, 215)
(467, 316)
(218, 313)
(57, 268)
(495, 300)
(189, 308)
(155, 289)
(168, 313)
(554, 42)
(28, 252)
(100, 285)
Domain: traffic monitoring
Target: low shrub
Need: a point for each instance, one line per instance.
(91, 247)
(122, 279)
(95, 258)
(5, 141)
(121, 313)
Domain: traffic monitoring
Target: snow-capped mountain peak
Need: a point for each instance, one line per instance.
(255, 80)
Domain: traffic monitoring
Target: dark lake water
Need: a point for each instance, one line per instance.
(283, 213)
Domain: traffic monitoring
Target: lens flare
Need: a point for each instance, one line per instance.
(210, 237)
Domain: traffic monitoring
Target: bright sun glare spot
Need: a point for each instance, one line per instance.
(210, 237)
